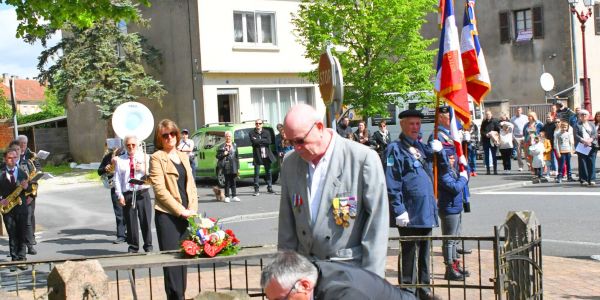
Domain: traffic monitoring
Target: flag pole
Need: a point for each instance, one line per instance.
(435, 157)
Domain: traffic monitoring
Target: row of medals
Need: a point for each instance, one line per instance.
(342, 212)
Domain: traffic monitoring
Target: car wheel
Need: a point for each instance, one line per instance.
(220, 178)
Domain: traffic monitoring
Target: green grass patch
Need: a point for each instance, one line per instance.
(57, 170)
(92, 176)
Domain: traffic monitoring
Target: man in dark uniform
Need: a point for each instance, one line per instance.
(292, 276)
(413, 207)
(261, 154)
(107, 169)
(16, 219)
(488, 125)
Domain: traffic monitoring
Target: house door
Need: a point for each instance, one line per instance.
(227, 103)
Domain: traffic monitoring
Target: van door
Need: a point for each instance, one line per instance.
(207, 152)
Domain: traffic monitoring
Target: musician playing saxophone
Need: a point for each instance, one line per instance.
(107, 168)
(16, 219)
(27, 159)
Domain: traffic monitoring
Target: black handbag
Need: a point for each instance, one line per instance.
(467, 207)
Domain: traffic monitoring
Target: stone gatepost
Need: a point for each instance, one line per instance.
(521, 253)
(78, 280)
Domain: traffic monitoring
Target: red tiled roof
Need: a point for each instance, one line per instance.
(29, 90)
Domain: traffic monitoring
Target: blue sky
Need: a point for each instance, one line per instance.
(17, 57)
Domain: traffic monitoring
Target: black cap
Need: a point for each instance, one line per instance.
(411, 113)
(185, 131)
(444, 109)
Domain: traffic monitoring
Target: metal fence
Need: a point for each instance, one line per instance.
(507, 265)
(540, 109)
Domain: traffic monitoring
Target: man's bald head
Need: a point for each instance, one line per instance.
(305, 130)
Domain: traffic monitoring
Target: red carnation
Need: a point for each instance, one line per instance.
(190, 247)
(229, 232)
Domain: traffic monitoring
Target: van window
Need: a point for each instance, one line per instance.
(242, 136)
(390, 118)
(213, 138)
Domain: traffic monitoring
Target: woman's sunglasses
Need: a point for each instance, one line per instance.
(171, 134)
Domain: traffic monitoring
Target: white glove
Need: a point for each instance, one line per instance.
(402, 220)
(436, 146)
(464, 174)
(463, 161)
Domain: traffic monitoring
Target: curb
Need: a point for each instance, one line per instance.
(499, 186)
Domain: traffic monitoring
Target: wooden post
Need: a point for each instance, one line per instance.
(435, 157)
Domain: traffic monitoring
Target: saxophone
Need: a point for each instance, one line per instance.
(14, 199)
(107, 177)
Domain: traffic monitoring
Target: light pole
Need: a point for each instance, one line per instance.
(583, 16)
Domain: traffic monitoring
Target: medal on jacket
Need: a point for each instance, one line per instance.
(344, 209)
(297, 202)
(414, 152)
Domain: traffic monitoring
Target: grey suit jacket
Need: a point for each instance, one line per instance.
(354, 170)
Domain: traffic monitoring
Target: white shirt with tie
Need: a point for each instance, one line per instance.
(122, 173)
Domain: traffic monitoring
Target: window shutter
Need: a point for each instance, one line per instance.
(504, 28)
(597, 18)
(538, 23)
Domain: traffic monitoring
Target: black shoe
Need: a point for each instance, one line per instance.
(22, 267)
(119, 241)
(270, 191)
(256, 193)
(453, 274)
(31, 250)
(13, 268)
(464, 251)
(460, 269)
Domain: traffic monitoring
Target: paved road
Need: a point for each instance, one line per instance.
(76, 219)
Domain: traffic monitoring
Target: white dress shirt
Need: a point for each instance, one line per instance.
(316, 179)
(121, 178)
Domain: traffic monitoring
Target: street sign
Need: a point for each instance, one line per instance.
(326, 79)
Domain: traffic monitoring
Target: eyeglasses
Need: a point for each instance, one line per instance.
(171, 134)
(290, 291)
(301, 141)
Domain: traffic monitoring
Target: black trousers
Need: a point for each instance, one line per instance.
(119, 218)
(506, 154)
(230, 184)
(143, 212)
(170, 230)
(30, 226)
(414, 271)
(16, 224)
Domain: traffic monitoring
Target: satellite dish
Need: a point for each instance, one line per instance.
(547, 82)
(133, 118)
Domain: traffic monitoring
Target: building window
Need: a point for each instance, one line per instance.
(538, 22)
(271, 104)
(504, 28)
(254, 27)
(523, 25)
(597, 18)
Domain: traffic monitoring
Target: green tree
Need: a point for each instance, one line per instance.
(103, 65)
(386, 52)
(40, 18)
(5, 107)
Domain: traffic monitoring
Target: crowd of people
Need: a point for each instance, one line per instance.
(545, 149)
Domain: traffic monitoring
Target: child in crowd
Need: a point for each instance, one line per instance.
(547, 154)
(536, 150)
(450, 204)
(506, 144)
(564, 144)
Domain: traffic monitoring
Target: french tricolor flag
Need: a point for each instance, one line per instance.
(456, 137)
(476, 72)
(450, 83)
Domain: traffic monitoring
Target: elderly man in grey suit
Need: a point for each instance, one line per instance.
(333, 195)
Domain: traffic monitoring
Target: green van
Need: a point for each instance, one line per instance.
(210, 137)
